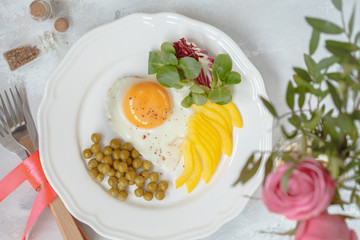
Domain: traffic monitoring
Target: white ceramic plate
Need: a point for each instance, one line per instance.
(73, 108)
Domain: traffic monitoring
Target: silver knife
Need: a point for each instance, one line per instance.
(34, 143)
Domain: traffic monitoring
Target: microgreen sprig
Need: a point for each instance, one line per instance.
(172, 72)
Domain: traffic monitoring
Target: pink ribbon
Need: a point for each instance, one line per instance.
(30, 170)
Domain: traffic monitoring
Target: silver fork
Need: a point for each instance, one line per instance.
(16, 118)
(8, 142)
(14, 121)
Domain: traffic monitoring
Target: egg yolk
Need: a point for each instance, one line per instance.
(147, 105)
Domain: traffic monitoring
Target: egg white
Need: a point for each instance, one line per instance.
(160, 145)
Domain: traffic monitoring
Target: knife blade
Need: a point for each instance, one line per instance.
(34, 144)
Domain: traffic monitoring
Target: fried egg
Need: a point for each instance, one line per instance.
(149, 116)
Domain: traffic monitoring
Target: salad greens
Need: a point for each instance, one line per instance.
(181, 67)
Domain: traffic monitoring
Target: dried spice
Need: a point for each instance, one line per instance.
(61, 24)
(40, 10)
(37, 9)
(20, 56)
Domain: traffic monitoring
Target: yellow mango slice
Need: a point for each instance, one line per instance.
(236, 120)
(211, 136)
(204, 141)
(188, 164)
(226, 143)
(204, 136)
(222, 111)
(213, 115)
(205, 157)
(214, 154)
(195, 176)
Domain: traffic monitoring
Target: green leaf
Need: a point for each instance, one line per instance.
(223, 61)
(347, 125)
(302, 83)
(334, 166)
(249, 170)
(358, 201)
(314, 121)
(314, 41)
(168, 76)
(341, 49)
(346, 216)
(220, 83)
(345, 46)
(167, 47)
(190, 67)
(289, 135)
(290, 95)
(219, 72)
(213, 84)
(324, 26)
(220, 96)
(327, 62)
(330, 129)
(334, 95)
(356, 114)
(337, 4)
(301, 100)
(352, 197)
(232, 78)
(321, 94)
(286, 157)
(285, 179)
(199, 98)
(287, 233)
(350, 165)
(337, 199)
(351, 21)
(170, 59)
(303, 74)
(317, 145)
(338, 51)
(156, 61)
(270, 107)
(319, 77)
(187, 101)
(334, 76)
(269, 165)
(295, 120)
(195, 88)
(357, 38)
(329, 113)
(310, 64)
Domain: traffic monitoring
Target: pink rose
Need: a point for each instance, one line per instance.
(310, 190)
(325, 227)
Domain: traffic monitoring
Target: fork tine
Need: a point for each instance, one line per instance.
(1, 131)
(8, 121)
(19, 95)
(18, 107)
(23, 98)
(11, 110)
(3, 123)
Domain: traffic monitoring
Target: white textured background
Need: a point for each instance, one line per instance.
(273, 34)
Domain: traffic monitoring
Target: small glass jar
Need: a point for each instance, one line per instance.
(29, 50)
(40, 10)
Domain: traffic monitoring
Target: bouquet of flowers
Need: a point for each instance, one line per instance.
(302, 182)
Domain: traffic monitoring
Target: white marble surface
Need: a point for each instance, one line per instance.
(273, 34)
